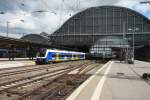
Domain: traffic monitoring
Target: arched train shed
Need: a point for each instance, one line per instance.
(85, 28)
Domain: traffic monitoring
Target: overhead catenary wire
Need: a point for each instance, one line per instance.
(145, 2)
(44, 7)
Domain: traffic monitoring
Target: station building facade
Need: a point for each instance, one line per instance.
(104, 29)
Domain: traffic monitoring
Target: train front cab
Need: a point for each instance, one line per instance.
(41, 59)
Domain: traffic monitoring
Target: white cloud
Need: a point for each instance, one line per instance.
(59, 12)
(135, 5)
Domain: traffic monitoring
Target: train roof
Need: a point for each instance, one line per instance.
(63, 51)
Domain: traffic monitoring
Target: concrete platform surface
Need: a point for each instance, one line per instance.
(5, 63)
(115, 81)
(16, 59)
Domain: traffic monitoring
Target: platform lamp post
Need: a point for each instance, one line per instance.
(2, 13)
(7, 23)
(134, 30)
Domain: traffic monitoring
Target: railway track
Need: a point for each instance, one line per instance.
(48, 90)
(44, 68)
(15, 69)
(3, 74)
(25, 76)
(39, 81)
(43, 87)
(21, 81)
(45, 71)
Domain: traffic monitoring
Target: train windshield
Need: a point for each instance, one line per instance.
(41, 53)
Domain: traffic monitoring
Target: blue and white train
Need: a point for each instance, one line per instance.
(48, 56)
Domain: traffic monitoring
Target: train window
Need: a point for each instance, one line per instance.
(81, 56)
(41, 53)
(64, 55)
(53, 54)
(69, 55)
(74, 55)
(61, 56)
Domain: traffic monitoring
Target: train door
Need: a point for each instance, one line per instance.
(76, 56)
(57, 56)
(72, 56)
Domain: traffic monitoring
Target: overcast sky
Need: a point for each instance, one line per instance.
(57, 12)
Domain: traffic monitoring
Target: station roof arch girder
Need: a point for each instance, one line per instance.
(93, 23)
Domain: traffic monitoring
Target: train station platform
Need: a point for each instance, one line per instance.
(115, 81)
(18, 62)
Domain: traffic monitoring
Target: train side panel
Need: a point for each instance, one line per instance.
(58, 56)
(49, 57)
